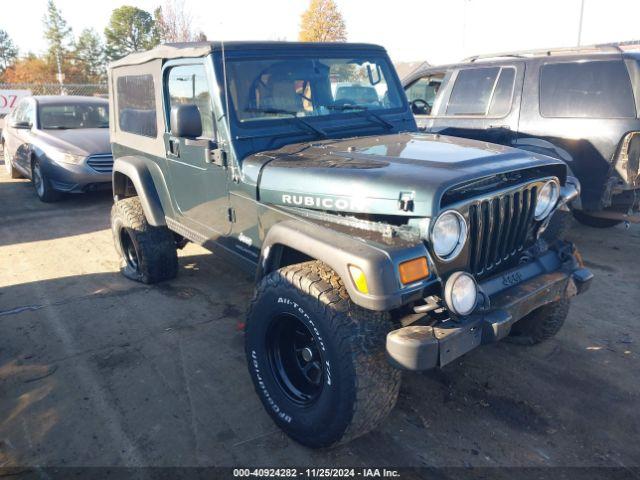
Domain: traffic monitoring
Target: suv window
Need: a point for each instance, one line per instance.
(137, 105)
(187, 84)
(425, 89)
(598, 89)
(482, 91)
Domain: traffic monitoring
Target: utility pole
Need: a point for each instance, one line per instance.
(580, 23)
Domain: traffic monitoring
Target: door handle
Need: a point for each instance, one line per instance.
(499, 127)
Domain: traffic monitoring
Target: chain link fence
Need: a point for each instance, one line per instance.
(84, 89)
(88, 89)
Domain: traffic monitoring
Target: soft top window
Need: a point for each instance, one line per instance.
(595, 89)
(137, 105)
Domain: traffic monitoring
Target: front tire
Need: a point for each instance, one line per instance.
(595, 222)
(148, 254)
(42, 185)
(541, 324)
(316, 359)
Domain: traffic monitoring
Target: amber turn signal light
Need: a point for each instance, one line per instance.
(413, 270)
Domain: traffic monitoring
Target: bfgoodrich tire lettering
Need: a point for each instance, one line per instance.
(359, 387)
(148, 253)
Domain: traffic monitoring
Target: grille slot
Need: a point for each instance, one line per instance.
(498, 228)
(101, 163)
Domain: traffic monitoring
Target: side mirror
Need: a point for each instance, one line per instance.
(21, 125)
(185, 121)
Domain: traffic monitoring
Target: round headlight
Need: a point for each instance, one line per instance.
(461, 293)
(547, 199)
(448, 235)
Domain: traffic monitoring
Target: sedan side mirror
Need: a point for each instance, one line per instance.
(21, 125)
(185, 121)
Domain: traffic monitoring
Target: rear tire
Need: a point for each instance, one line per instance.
(595, 222)
(302, 314)
(147, 253)
(42, 185)
(541, 324)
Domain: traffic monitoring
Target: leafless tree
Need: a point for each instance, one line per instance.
(174, 22)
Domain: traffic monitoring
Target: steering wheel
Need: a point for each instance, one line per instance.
(420, 107)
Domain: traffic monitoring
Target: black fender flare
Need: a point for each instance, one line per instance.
(339, 250)
(137, 170)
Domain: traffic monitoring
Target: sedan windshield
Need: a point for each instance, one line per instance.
(304, 87)
(80, 115)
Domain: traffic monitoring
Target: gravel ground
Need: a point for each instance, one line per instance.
(97, 370)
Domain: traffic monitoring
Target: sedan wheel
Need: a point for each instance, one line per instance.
(41, 184)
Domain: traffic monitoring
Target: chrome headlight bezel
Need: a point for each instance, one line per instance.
(461, 240)
(551, 203)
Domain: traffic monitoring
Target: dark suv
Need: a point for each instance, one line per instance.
(580, 106)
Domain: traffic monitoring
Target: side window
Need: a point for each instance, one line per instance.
(422, 94)
(482, 91)
(187, 84)
(137, 105)
(598, 89)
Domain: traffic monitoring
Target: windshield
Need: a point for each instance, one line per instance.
(310, 87)
(80, 115)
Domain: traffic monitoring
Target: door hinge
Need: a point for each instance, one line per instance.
(231, 214)
(219, 157)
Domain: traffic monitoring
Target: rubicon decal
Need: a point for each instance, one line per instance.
(326, 203)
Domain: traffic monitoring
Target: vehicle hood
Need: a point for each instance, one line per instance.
(371, 174)
(80, 141)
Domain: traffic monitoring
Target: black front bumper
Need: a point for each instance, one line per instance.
(506, 299)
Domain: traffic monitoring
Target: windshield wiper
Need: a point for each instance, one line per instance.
(361, 108)
(279, 111)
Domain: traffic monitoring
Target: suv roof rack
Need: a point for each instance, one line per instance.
(548, 52)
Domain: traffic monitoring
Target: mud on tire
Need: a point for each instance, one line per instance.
(541, 324)
(148, 253)
(357, 386)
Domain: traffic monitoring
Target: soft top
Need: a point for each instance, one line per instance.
(200, 49)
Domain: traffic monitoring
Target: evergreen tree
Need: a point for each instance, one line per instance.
(130, 29)
(8, 51)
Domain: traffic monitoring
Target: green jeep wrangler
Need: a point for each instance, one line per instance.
(375, 248)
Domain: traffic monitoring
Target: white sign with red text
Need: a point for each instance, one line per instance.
(10, 98)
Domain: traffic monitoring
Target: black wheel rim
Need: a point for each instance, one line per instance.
(295, 359)
(129, 250)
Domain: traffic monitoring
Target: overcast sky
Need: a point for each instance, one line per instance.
(438, 31)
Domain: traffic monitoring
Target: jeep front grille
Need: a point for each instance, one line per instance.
(101, 163)
(498, 228)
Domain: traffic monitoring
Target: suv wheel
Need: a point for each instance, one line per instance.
(317, 360)
(42, 185)
(596, 222)
(147, 253)
(541, 324)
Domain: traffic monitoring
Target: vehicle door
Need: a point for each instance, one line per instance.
(10, 132)
(481, 102)
(579, 109)
(422, 94)
(24, 134)
(198, 179)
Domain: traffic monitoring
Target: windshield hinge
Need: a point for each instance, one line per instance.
(231, 214)
(405, 202)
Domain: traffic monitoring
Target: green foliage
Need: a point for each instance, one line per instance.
(89, 56)
(8, 51)
(322, 22)
(57, 33)
(130, 29)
